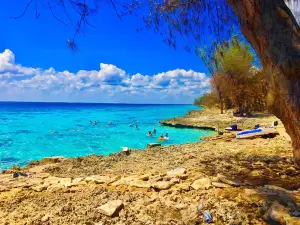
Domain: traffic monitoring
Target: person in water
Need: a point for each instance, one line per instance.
(167, 135)
(130, 125)
(136, 127)
(154, 131)
(161, 136)
(149, 133)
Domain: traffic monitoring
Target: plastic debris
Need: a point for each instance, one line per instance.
(207, 217)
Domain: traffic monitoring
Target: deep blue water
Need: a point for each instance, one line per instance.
(30, 131)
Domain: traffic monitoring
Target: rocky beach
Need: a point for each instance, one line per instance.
(251, 181)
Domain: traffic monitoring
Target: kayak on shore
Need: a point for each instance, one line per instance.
(256, 132)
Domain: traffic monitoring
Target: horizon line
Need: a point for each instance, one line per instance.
(98, 103)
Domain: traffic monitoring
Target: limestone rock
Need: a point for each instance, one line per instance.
(203, 183)
(144, 177)
(22, 185)
(54, 159)
(175, 180)
(39, 169)
(275, 188)
(250, 192)
(52, 180)
(155, 178)
(114, 179)
(180, 206)
(258, 164)
(55, 187)
(256, 173)
(39, 188)
(152, 145)
(176, 172)
(230, 182)
(140, 184)
(220, 185)
(280, 214)
(42, 175)
(98, 179)
(35, 181)
(78, 181)
(3, 188)
(126, 181)
(66, 182)
(45, 218)
(111, 208)
(182, 186)
(162, 185)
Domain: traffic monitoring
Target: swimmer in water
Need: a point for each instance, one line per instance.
(166, 136)
(137, 127)
(149, 133)
(154, 131)
(130, 125)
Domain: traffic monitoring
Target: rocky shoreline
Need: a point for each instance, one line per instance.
(236, 181)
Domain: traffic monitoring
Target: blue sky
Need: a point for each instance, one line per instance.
(114, 62)
(41, 44)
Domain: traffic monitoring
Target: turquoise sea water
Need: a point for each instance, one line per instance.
(31, 131)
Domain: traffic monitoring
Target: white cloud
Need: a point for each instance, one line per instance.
(109, 84)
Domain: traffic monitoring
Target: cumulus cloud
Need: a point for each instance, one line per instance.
(109, 84)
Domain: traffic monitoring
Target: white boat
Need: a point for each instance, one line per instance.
(256, 132)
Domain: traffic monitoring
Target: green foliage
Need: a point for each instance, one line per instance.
(208, 99)
(242, 86)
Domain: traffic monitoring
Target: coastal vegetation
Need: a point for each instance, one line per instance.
(209, 100)
(243, 86)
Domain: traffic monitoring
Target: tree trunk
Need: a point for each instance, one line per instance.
(273, 32)
(221, 102)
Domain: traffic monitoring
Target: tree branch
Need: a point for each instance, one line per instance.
(27, 6)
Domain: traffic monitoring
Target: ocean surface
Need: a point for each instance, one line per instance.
(32, 131)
